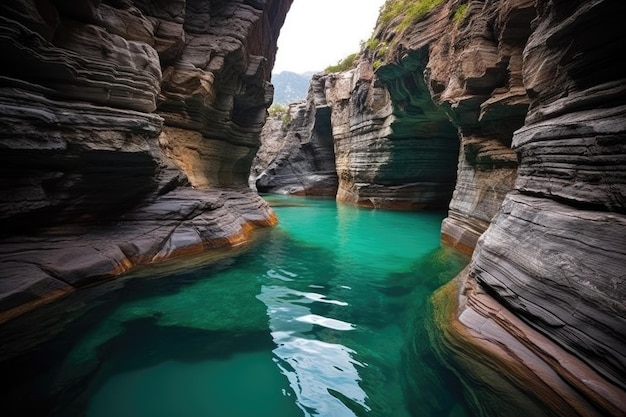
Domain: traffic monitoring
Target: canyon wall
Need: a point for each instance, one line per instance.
(390, 153)
(436, 116)
(544, 294)
(537, 322)
(385, 155)
(297, 151)
(127, 133)
(528, 100)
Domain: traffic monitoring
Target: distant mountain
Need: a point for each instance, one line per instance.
(290, 87)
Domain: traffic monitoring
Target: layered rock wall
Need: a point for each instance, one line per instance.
(391, 153)
(386, 155)
(468, 71)
(443, 82)
(543, 297)
(297, 153)
(539, 326)
(110, 112)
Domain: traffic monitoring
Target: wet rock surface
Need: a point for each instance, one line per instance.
(543, 295)
(55, 261)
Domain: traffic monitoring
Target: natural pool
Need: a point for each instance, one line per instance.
(325, 315)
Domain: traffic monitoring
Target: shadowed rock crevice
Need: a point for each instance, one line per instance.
(297, 154)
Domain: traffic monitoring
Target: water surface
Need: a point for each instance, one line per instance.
(323, 316)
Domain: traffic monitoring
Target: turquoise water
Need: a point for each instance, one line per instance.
(323, 316)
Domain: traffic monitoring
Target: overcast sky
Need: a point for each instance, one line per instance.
(318, 33)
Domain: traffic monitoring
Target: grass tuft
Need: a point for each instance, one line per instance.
(342, 65)
(410, 11)
(460, 13)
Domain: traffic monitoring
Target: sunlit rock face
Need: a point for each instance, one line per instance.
(107, 109)
(543, 297)
(297, 151)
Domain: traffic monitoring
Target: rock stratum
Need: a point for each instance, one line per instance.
(129, 127)
(381, 156)
(127, 133)
(536, 324)
(547, 276)
(514, 112)
(297, 150)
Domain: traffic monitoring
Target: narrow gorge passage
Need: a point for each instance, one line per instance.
(325, 315)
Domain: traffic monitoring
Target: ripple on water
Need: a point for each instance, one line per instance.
(321, 318)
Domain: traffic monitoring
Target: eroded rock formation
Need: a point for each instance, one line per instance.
(541, 316)
(297, 150)
(470, 67)
(110, 113)
(387, 155)
(392, 151)
(397, 132)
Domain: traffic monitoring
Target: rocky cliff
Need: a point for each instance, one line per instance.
(127, 133)
(386, 155)
(536, 325)
(392, 151)
(523, 102)
(544, 294)
(438, 116)
(297, 150)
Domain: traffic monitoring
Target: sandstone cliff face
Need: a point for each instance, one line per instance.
(107, 109)
(297, 150)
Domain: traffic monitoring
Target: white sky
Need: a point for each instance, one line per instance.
(319, 33)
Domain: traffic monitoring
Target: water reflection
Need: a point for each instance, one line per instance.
(320, 373)
(325, 317)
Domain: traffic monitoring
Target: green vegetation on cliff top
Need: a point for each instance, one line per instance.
(405, 13)
(343, 65)
(279, 110)
(410, 11)
(460, 13)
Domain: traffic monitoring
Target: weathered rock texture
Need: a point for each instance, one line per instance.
(392, 151)
(297, 150)
(471, 69)
(109, 113)
(397, 132)
(388, 154)
(541, 322)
